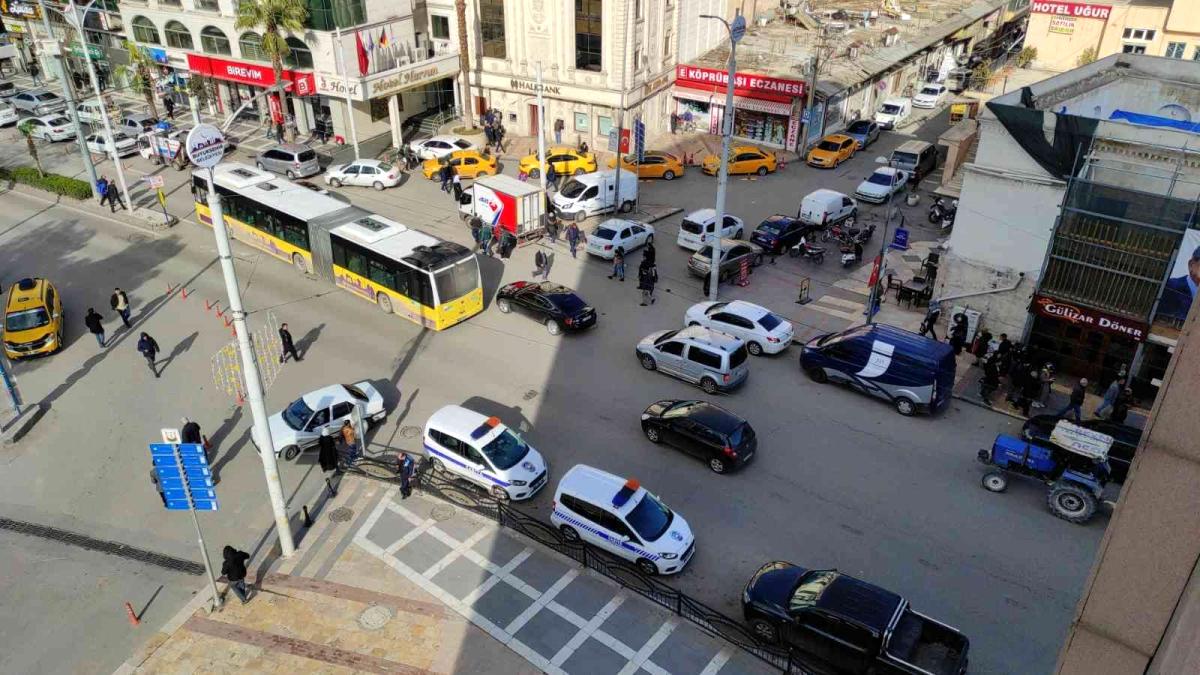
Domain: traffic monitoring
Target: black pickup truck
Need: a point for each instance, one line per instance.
(844, 625)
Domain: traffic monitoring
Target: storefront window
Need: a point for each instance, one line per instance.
(603, 125)
(583, 122)
(144, 31)
(760, 127)
(178, 36)
(693, 115)
(213, 41)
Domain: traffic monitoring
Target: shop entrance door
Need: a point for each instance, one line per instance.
(533, 119)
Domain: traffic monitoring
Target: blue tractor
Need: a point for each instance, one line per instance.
(1074, 464)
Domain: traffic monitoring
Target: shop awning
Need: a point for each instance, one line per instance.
(697, 95)
(759, 105)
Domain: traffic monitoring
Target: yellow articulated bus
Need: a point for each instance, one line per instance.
(430, 281)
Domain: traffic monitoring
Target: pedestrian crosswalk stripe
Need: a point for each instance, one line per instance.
(832, 312)
(853, 285)
(833, 300)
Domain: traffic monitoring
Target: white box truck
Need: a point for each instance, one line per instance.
(516, 205)
(591, 193)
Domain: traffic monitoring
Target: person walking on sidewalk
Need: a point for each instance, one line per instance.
(95, 325)
(35, 73)
(540, 262)
(1031, 390)
(558, 129)
(1110, 396)
(149, 349)
(647, 278)
(350, 438)
(650, 254)
(102, 189)
(1075, 404)
(456, 186)
(1046, 378)
(405, 466)
(114, 197)
(1121, 407)
(120, 304)
(327, 451)
(552, 227)
(234, 570)
(931, 318)
(551, 177)
(573, 236)
(618, 264)
(288, 346)
(169, 104)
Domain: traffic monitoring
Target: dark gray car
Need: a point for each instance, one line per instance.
(733, 253)
(291, 159)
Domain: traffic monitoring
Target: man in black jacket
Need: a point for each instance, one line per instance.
(1075, 405)
(289, 347)
(149, 349)
(95, 325)
(234, 569)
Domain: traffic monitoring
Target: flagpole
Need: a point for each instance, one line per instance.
(346, 91)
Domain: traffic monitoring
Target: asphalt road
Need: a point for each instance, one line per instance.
(840, 481)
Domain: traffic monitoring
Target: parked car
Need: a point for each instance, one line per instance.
(616, 233)
(89, 112)
(893, 112)
(916, 157)
(831, 151)
(715, 361)
(1120, 455)
(38, 102)
(881, 185)
(134, 123)
(439, 146)
(566, 162)
(98, 144)
(294, 160)
(743, 159)
(466, 163)
(931, 96)
(8, 115)
(299, 426)
(33, 319)
(778, 233)
(700, 226)
(703, 430)
(589, 194)
(848, 625)
(482, 450)
(763, 331)
(51, 127)
(865, 132)
(824, 207)
(733, 253)
(553, 305)
(654, 164)
(7, 90)
(365, 172)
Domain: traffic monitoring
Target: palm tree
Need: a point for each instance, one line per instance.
(138, 72)
(464, 64)
(26, 129)
(272, 16)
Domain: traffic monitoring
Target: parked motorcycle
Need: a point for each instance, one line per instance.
(942, 213)
(851, 249)
(805, 250)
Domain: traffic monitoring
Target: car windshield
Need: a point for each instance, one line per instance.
(568, 303)
(705, 253)
(307, 156)
(740, 435)
(691, 226)
(30, 318)
(650, 518)
(930, 91)
(505, 450)
(296, 415)
(880, 178)
(860, 127)
(458, 280)
(809, 590)
(890, 108)
(772, 226)
(904, 158)
(769, 321)
(47, 97)
(604, 233)
(828, 145)
(355, 392)
(572, 189)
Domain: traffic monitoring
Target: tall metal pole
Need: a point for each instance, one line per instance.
(736, 30)
(108, 130)
(621, 110)
(541, 105)
(346, 87)
(10, 385)
(212, 579)
(69, 95)
(872, 297)
(254, 392)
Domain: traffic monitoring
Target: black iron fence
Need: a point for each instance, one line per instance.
(467, 496)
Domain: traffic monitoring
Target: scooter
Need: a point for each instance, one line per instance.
(807, 251)
(851, 249)
(941, 213)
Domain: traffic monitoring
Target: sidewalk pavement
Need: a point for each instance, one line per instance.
(384, 585)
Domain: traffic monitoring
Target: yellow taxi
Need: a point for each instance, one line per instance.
(654, 164)
(33, 319)
(467, 163)
(832, 151)
(566, 162)
(742, 159)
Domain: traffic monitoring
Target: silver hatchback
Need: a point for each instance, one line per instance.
(716, 361)
(291, 159)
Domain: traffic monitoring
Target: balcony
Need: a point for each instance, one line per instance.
(331, 14)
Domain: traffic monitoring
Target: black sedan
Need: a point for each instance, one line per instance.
(723, 440)
(778, 233)
(551, 304)
(1120, 456)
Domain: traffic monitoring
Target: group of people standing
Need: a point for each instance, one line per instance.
(488, 236)
(493, 129)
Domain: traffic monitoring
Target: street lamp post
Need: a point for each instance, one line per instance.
(736, 29)
(72, 111)
(873, 301)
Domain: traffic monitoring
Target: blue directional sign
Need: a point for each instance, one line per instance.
(184, 476)
(900, 239)
(639, 139)
(614, 141)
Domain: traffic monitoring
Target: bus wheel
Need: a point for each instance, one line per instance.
(385, 303)
(298, 261)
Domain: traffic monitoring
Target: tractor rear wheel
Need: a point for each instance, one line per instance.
(994, 481)
(1073, 503)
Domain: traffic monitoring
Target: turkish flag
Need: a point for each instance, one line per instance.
(363, 60)
(275, 108)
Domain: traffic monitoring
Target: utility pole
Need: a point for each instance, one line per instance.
(346, 91)
(810, 90)
(621, 112)
(69, 95)
(95, 81)
(541, 106)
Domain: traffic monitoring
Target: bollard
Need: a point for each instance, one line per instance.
(133, 620)
(804, 299)
(184, 292)
(308, 522)
(332, 492)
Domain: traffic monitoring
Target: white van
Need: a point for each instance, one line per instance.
(485, 452)
(596, 192)
(827, 207)
(893, 112)
(621, 517)
(699, 227)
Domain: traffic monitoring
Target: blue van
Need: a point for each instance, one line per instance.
(913, 372)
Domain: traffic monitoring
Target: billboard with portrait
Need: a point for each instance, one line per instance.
(1181, 284)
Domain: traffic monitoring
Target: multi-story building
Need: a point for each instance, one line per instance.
(366, 58)
(1077, 226)
(104, 35)
(1067, 34)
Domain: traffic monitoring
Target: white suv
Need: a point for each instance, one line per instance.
(621, 517)
(485, 452)
(699, 227)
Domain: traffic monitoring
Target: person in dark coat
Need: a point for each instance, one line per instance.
(444, 176)
(405, 468)
(650, 254)
(647, 278)
(980, 348)
(95, 325)
(618, 264)
(288, 346)
(958, 333)
(190, 432)
(1075, 404)
(1029, 392)
(234, 570)
(327, 455)
(508, 242)
(542, 261)
(149, 349)
(551, 177)
(931, 318)
(991, 379)
(573, 237)
(113, 194)
(169, 104)
(552, 227)
(1120, 409)
(35, 73)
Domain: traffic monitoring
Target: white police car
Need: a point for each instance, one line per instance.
(484, 451)
(621, 517)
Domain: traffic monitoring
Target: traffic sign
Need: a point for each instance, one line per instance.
(155, 181)
(737, 29)
(168, 436)
(613, 143)
(184, 476)
(639, 143)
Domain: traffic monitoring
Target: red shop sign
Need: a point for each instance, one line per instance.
(276, 110)
(254, 74)
(1089, 318)
(1077, 10)
(744, 84)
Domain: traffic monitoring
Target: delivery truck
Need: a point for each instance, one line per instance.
(592, 193)
(516, 205)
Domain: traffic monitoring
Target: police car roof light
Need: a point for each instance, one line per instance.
(628, 490)
(483, 429)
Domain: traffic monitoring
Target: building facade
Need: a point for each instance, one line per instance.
(1066, 34)
(103, 35)
(1078, 219)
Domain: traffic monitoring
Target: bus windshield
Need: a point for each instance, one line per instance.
(457, 280)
